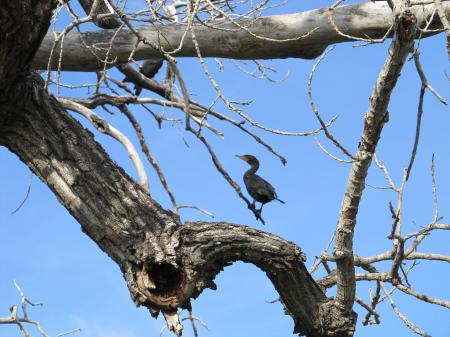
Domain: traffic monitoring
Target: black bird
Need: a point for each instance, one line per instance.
(149, 69)
(259, 189)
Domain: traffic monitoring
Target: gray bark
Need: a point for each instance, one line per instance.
(375, 118)
(164, 262)
(371, 19)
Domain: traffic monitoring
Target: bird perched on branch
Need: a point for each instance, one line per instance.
(149, 69)
(259, 189)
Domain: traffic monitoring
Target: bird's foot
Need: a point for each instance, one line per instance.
(256, 212)
(259, 217)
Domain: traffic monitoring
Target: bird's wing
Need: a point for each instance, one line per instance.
(151, 67)
(265, 188)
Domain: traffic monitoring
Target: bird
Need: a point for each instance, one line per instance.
(149, 69)
(259, 189)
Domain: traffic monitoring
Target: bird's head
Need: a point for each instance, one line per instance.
(251, 160)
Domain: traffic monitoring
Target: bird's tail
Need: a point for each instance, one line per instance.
(137, 90)
(280, 200)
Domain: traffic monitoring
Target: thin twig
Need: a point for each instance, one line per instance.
(201, 210)
(424, 79)
(405, 320)
(418, 124)
(26, 195)
(370, 311)
(316, 111)
(148, 154)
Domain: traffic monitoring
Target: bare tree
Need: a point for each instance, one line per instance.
(166, 262)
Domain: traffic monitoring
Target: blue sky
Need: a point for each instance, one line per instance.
(42, 247)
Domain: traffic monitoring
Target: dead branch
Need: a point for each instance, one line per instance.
(104, 127)
(367, 19)
(375, 118)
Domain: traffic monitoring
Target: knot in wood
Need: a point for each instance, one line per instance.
(335, 321)
(342, 254)
(100, 124)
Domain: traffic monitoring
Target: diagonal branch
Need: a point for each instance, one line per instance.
(102, 126)
(374, 121)
(164, 263)
(405, 320)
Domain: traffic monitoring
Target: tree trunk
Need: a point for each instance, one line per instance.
(164, 262)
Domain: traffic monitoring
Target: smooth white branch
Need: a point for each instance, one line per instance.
(299, 35)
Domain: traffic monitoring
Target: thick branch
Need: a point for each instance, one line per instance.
(215, 245)
(164, 263)
(19, 42)
(371, 19)
(109, 205)
(374, 121)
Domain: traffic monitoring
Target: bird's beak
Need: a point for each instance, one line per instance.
(240, 157)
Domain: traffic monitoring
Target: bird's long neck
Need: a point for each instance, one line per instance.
(254, 167)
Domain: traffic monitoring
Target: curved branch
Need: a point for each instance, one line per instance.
(164, 263)
(211, 246)
(371, 19)
(104, 127)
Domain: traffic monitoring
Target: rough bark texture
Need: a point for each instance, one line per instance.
(23, 25)
(371, 19)
(375, 118)
(165, 263)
